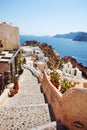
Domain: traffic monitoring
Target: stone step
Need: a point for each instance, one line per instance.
(25, 100)
(28, 86)
(24, 118)
(48, 126)
(30, 90)
(27, 77)
(28, 82)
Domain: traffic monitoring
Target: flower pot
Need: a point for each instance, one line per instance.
(16, 88)
(11, 92)
(56, 85)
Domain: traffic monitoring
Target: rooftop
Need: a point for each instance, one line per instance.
(7, 56)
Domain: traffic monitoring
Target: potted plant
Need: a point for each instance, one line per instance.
(55, 78)
(21, 61)
(11, 92)
(20, 68)
(65, 85)
(16, 86)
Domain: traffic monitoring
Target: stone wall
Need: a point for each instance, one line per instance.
(41, 65)
(74, 107)
(53, 96)
(9, 37)
(70, 108)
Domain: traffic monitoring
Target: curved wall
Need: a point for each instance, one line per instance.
(70, 108)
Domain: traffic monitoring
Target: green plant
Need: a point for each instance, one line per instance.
(16, 85)
(55, 77)
(15, 79)
(21, 62)
(11, 92)
(60, 63)
(65, 85)
(20, 65)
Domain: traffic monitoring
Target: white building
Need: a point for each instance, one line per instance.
(68, 70)
(27, 51)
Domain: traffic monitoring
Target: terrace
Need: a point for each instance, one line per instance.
(8, 67)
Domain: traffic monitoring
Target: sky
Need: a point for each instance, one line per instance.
(45, 17)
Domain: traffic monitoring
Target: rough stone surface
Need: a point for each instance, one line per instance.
(26, 100)
(23, 118)
(9, 36)
(49, 126)
(74, 107)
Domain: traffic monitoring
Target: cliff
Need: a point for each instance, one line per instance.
(51, 54)
(81, 37)
(48, 52)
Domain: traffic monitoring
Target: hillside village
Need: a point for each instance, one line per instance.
(38, 89)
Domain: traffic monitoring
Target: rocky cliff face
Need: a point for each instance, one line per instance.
(51, 54)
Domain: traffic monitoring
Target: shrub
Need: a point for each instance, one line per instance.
(65, 85)
(55, 77)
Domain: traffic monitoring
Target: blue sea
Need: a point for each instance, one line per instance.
(63, 46)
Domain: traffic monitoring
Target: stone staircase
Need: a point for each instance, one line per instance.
(27, 110)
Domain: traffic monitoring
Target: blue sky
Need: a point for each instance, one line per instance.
(45, 17)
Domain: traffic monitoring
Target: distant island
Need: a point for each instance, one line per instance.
(75, 36)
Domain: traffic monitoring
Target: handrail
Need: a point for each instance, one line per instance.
(10, 61)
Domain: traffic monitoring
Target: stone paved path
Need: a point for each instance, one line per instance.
(27, 109)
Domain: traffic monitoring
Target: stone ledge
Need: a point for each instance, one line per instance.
(49, 126)
(3, 97)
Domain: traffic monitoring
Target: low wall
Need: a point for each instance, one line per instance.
(70, 108)
(53, 96)
(3, 97)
